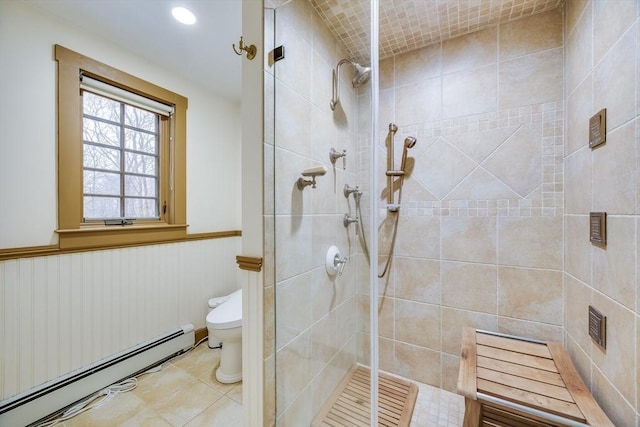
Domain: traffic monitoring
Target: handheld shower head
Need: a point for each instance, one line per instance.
(409, 142)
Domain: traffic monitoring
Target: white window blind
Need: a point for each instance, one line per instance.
(121, 95)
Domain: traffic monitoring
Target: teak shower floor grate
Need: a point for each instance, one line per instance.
(349, 405)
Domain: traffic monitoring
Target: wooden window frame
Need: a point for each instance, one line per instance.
(72, 232)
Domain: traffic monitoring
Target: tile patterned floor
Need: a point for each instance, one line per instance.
(437, 408)
(186, 393)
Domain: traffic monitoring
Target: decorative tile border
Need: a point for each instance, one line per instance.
(547, 200)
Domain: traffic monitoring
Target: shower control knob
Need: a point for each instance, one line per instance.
(334, 262)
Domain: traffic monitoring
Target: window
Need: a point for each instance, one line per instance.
(121, 157)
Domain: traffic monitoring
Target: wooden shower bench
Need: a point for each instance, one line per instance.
(514, 381)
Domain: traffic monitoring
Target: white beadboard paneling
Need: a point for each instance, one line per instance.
(25, 325)
(52, 327)
(64, 326)
(3, 342)
(60, 313)
(10, 327)
(40, 308)
(76, 310)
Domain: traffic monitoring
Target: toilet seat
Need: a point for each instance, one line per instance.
(227, 315)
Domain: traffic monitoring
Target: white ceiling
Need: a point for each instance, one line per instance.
(201, 52)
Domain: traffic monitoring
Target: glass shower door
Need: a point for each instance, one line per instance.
(318, 218)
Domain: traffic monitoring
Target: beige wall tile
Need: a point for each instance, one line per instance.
(417, 280)
(269, 393)
(578, 247)
(450, 369)
(531, 79)
(453, 166)
(578, 188)
(347, 319)
(324, 43)
(296, 71)
(418, 363)
(387, 73)
(293, 121)
(470, 286)
(518, 162)
(386, 317)
(581, 361)
(321, 89)
(612, 21)
(453, 321)
(535, 330)
(418, 236)
(387, 356)
(579, 50)
(269, 322)
(614, 267)
(573, 11)
(417, 65)
(417, 323)
(470, 51)
(469, 239)
(530, 294)
(531, 34)
(579, 111)
(293, 370)
(481, 185)
(469, 92)
(530, 242)
(418, 102)
(324, 343)
(478, 144)
(294, 308)
(613, 81)
(611, 400)
(577, 301)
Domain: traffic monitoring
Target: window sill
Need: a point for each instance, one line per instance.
(115, 236)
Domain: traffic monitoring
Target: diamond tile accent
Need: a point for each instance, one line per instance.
(453, 166)
(518, 162)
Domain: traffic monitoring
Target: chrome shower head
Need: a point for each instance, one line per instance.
(362, 75)
(410, 142)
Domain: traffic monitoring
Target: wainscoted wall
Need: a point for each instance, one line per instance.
(61, 313)
(315, 323)
(602, 54)
(481, 224)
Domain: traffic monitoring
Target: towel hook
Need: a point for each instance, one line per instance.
(251, 49)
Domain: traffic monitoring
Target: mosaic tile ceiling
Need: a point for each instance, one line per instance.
(406, 25)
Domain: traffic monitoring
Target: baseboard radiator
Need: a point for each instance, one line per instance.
(51, 397)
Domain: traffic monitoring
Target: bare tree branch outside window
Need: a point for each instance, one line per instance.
(120, 158)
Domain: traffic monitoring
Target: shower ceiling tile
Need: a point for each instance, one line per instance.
(406, 25)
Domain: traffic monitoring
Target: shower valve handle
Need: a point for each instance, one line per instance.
(340, 263)
(335, 155)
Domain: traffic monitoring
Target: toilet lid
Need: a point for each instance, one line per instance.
(227, 315)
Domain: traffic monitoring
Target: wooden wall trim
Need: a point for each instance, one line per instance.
(249, 263)
(48, 250)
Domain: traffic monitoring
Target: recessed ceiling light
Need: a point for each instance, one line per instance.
(183, 15)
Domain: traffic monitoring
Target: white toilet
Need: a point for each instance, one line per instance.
(224, 323)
